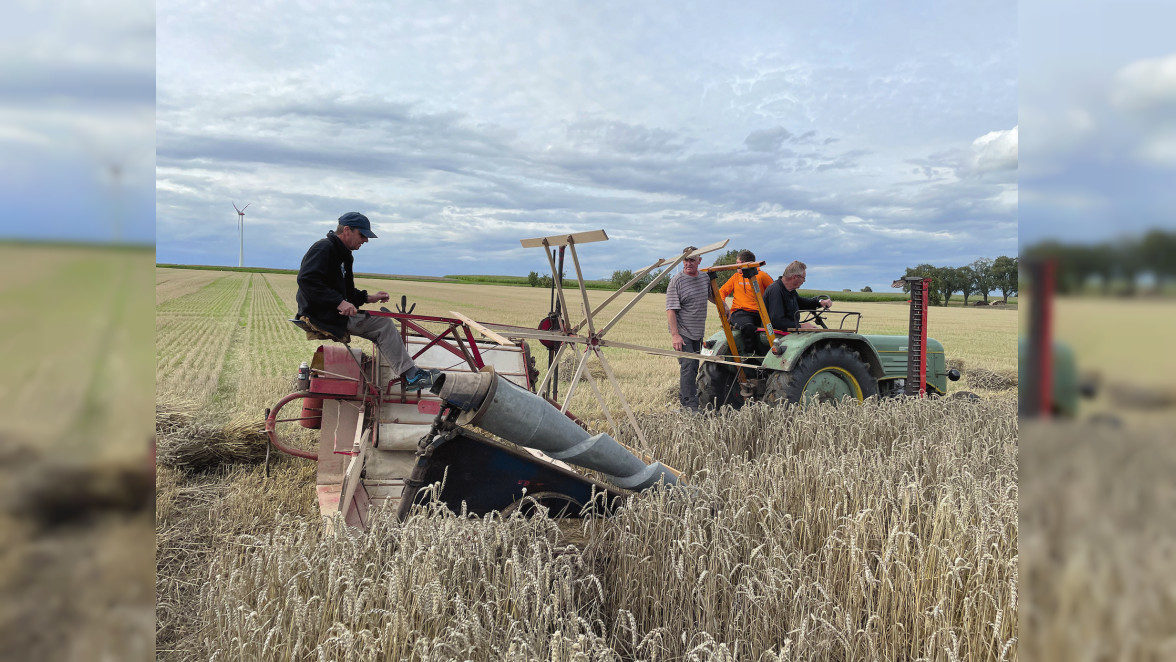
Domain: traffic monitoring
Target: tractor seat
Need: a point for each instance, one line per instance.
(315, 333)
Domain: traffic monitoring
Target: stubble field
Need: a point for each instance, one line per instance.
(76, 531)
(882, 531)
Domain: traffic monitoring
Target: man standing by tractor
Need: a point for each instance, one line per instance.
(745, 316)
(687, 295)
(784, 304)
(329, 303)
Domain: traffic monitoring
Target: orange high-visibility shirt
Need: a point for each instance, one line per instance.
(740, 287)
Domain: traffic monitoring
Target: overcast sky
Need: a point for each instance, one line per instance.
(1098, 107)
(77, 120)
(861, 138)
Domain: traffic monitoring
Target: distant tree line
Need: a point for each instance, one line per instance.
(1111, 265)
(979, 278)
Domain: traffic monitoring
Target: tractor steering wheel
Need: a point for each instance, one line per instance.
(817, 315)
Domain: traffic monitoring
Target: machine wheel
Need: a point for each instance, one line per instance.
(557, 504)
(826, 374)
(717, 386)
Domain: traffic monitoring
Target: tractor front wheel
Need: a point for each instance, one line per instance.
(826, 374)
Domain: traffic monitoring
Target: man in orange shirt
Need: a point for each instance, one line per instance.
(744, 314)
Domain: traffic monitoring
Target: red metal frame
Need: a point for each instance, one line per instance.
(372, 391)
(923, 341)
(1042, 330)
(436, 338)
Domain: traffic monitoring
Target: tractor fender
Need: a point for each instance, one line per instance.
(797, 345)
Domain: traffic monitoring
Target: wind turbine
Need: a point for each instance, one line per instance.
(241, 230)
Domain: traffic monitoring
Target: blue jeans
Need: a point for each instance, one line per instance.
(688, 375)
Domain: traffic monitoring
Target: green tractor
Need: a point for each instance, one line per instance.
(820, 364)
(1065, 386)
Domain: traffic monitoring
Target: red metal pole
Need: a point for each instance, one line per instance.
(1043, 330)
(923, 341)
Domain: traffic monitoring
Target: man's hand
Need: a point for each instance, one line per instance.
(677, 340)
(827, 303)
(378, 297)
(347, 309)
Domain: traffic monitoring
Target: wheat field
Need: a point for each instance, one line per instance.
(883, 531)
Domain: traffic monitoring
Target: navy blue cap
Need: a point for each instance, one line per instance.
(354, 219)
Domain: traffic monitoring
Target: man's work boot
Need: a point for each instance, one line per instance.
(421, 379)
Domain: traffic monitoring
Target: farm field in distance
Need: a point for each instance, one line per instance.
(76, 532)
(1098, 506)
(879, 531)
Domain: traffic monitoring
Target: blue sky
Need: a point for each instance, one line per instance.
(1098, 107)
(861, 138)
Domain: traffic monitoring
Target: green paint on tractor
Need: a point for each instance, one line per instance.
(820, 365)
(1066, 386)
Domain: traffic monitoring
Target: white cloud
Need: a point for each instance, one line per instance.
(1145, 91)
(996, 150)
(1159, 149)
(1146, 86)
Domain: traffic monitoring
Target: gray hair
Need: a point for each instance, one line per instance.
(796, 268)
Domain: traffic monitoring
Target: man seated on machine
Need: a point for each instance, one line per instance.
(329, 303)
(784, 304)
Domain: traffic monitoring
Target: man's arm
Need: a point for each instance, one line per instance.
(728, 288)
(359, 297)
(675, 337)
(812, 303)
(673, 304)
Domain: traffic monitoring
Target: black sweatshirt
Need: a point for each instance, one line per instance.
(325, 279)
(783, 305)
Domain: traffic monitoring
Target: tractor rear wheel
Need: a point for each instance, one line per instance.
(826, 374)
(717, 385)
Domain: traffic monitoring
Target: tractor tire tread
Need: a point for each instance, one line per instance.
(789, 386)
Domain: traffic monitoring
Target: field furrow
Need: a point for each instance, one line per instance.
(191, 349)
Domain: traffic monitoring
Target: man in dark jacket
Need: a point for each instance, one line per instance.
(784, 303)
(328, 301)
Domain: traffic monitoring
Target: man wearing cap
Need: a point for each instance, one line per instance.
(329, 303)
(686, 298)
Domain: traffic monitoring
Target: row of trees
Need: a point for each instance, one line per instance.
(1104, 265)
(979, 278)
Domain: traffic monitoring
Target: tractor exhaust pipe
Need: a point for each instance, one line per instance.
(513, 413)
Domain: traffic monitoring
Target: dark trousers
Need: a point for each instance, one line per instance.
(688, 375)
(746, 323)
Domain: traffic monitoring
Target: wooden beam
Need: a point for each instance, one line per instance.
(483, 330)
(621, 396)
(561, 239)
(671, 353)
(707, 249)
(732, 267)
